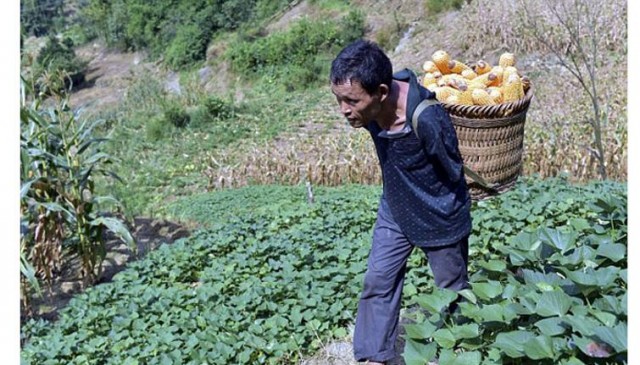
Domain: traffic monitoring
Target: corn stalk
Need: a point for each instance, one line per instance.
(60, 213)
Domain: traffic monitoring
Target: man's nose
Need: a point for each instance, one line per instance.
(345, 109)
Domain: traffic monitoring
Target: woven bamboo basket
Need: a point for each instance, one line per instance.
(490, 139)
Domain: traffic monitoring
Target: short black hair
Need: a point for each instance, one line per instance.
(365, 62)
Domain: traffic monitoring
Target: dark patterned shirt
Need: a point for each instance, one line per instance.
(424, 189)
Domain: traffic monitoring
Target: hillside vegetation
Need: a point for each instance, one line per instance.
(218, 114)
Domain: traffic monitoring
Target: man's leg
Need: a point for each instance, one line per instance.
(449, 266)
(379, 307)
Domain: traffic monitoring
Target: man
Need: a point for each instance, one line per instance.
(425, 201)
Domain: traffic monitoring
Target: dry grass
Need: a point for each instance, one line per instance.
(558, 138)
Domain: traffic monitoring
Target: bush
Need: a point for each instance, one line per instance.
(218, 108)
(188, 47)
(291, 57)
(156, 127)
(58, 56)
(439, 6)
(177, 116)
(40, 17)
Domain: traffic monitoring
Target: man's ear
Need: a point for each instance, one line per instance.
(384, 92)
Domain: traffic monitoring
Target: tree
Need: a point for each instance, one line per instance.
(37, 16)
(582, 49)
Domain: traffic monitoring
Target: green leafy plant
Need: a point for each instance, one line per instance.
(301, 45)
(55, 58)
(548, 282)
(176, 115)
(439, 6)
(60, 213)
(258, 285)
(270, 277)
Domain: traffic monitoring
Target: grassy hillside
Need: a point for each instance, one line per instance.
(275, 98)
(268, 277)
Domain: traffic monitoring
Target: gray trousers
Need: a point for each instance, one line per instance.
(376, 327)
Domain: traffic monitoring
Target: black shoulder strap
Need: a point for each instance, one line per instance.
(467, 171)
(419, 109)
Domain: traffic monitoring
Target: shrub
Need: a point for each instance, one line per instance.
(58, 56)
(176, 115)
(218, 108)
(188, 46)
(290, 57)
(439, 6)
(212, 109)
(40, 17)
(156, 127)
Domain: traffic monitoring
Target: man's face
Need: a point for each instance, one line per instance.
(356, 104)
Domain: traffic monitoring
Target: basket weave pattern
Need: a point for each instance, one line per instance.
(490, 139)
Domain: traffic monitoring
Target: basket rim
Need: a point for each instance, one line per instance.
(502, 110)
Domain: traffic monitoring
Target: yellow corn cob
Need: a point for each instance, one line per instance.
(457, 67)
(452, 99)
(499, 72)
(451, 78)
(512, 89)
(508, 71)
(485, 80)
(495, 93)
(481, 97)
(482, 67)
(466, 97)
(443, 92)
(507, 59)
(428, 79)
(441, 59)
(469, 74)
(429, 66)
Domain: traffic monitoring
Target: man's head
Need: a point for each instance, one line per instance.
(361, 77)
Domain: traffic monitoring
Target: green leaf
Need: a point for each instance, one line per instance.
(420, 331)
(512, 343)
(24, 189)
(540, 347)
(445, 338)
(606, 318)
(614, 251)
(418, 353)
(130, 361)
(488, 290)
(493, 265)
(580, 224)
(468, 295)
(610, 303)
(438, 300)
(571, 361)
(492, 312)
(460, 358)
(600, 278)
(340, 332)
(553, 303)
(592, 348)
(560, 240)
(581, 324)
(551, 326)
(614, 336)
(465, 331)
(117, 227)
(525, 241)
